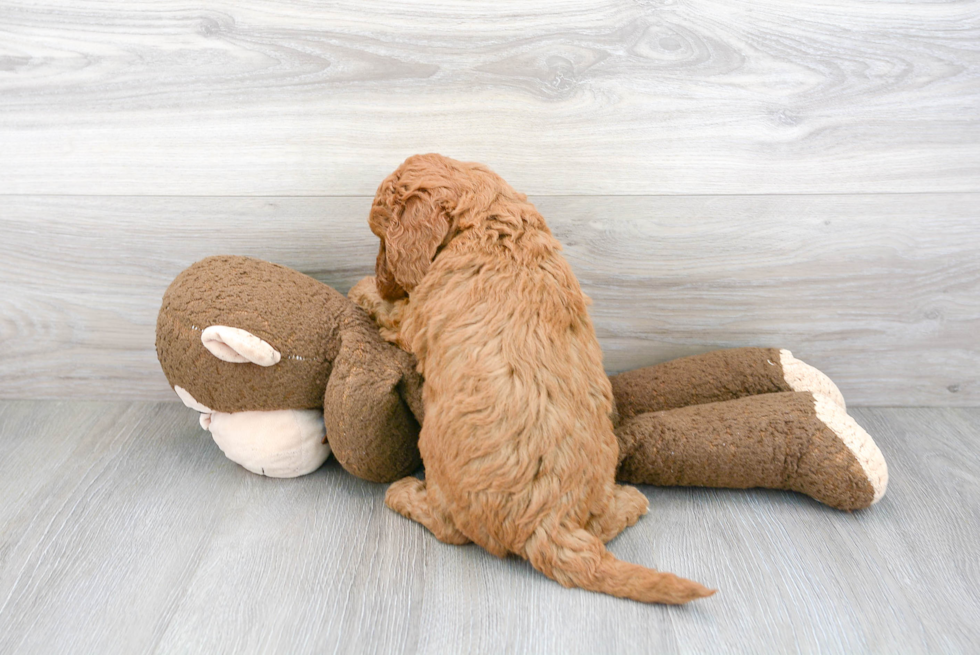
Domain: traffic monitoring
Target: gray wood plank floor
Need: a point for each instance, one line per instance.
(124, 530)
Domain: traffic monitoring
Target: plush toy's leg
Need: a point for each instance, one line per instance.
(626, 508)
(408, 497)
(789, 440)
(714, 377)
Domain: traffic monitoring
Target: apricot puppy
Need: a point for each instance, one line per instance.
(518, 444)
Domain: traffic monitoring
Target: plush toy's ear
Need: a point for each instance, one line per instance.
(371, 429)
(238, 346)
(411, 241)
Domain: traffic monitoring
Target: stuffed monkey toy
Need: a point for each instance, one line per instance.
(284, 370)
(276, 361)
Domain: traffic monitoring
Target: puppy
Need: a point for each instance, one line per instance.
(518, 444)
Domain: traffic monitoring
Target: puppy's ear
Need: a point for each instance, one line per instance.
(388, 288)
(413, 238)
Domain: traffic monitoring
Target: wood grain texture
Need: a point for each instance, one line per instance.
(123, 529)
(582, 97)
(880, 292)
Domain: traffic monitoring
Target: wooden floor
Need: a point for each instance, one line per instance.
(124, 530)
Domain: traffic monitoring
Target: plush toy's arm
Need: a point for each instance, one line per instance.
(789, 440)
(716, 376)
(370, 427)
(387, 317)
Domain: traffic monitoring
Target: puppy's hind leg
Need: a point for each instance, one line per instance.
(409, 498)
(625, 508)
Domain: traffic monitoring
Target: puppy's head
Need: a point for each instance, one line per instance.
(413, 214)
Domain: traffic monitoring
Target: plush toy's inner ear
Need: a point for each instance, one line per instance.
(412, 240)
(238, 346)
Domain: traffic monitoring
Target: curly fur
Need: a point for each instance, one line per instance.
(518, 445)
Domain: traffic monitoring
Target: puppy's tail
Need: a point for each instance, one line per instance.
(577, 558)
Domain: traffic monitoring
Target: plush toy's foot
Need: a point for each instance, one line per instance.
(800, 376)
(841, 426)
(283, 443)
(790, 440)
(714, 377)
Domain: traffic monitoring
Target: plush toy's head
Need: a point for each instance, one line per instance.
(286, 314)
(236, 334)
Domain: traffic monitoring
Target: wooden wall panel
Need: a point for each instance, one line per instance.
(562, 98)
(881, 292)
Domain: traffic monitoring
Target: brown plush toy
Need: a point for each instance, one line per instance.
(275, 360)
(259, 349)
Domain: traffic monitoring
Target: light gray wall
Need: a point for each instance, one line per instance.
(765, 173)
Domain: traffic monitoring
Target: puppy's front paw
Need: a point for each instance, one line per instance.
(387, 315)
(365, 295)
